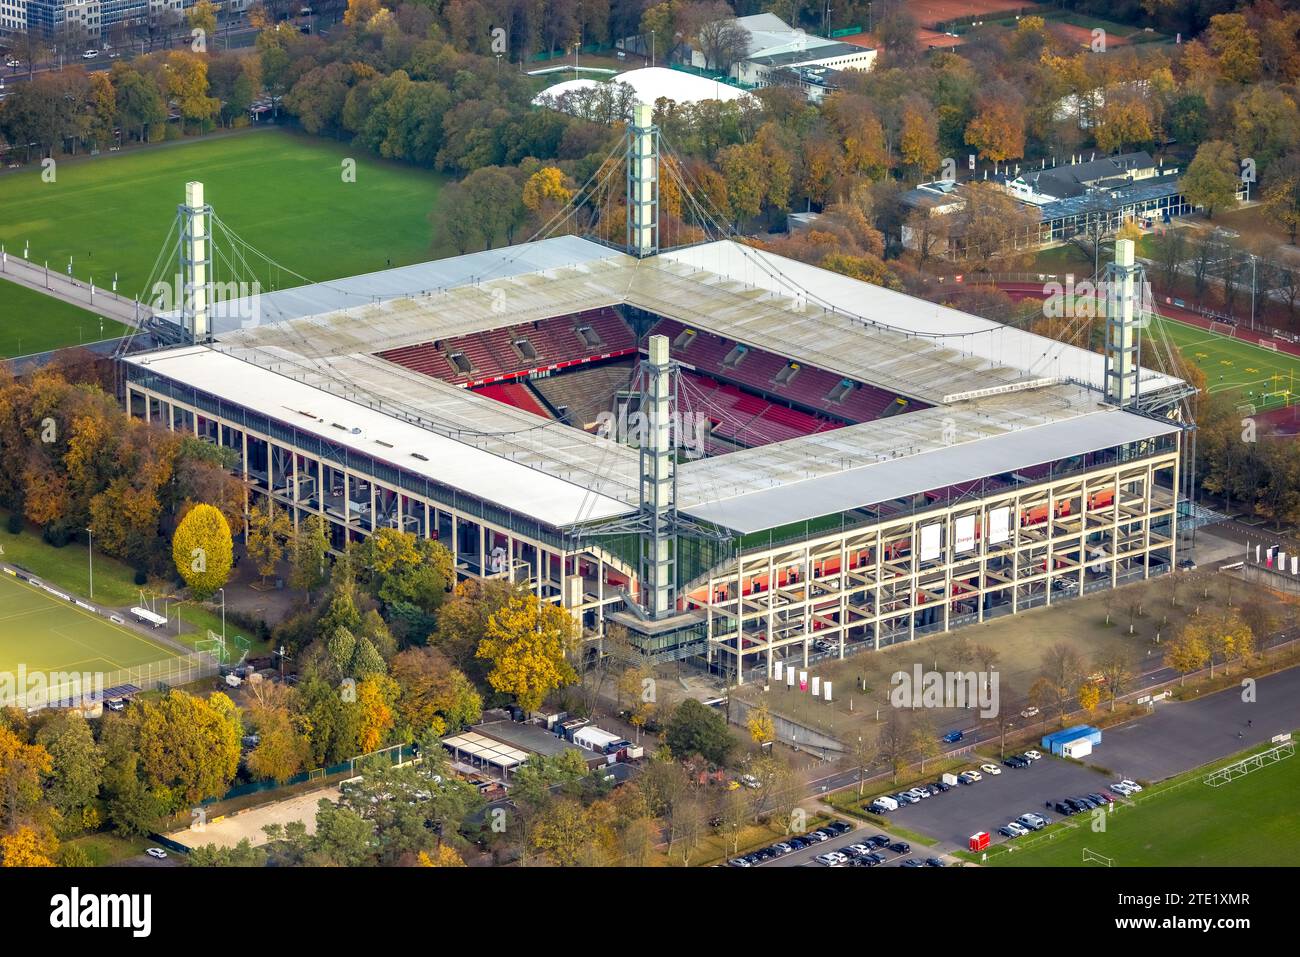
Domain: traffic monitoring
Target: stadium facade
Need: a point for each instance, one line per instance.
(861, 468)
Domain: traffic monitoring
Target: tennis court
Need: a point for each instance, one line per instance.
(41, 633)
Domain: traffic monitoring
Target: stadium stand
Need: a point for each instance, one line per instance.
(516, 394)
(815, 390)
(512, 352)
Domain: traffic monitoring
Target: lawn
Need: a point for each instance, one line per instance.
(41, 633)
(31, 322)
(282, 193)
(1184, 823)
(68, 568)
(1231, 365)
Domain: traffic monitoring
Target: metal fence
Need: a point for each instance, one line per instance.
(37, 690)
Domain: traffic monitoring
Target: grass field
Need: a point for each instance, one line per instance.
(68, 568)
(1232, 365)
(1185, 823)
(282, 193)
(33, 322)
(42, 633)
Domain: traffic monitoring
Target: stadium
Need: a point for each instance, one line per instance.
(731, 454)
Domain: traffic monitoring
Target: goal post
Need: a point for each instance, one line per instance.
(1223, 328)
(1092, 857)
(1268, 344)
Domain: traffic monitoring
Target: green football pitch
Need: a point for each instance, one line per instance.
(284, 194)
(41, 633)
(1183, 823)
(1253, 374)
(60, 324)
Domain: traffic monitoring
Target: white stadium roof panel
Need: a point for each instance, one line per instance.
(937, 468)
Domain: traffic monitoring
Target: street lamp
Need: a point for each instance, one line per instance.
(90, 550)
(1252, 290)
(223, 614)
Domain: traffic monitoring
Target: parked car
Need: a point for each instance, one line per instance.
(911, 862)
(1131, 785)
(1062, 808)
(900, 847)
(1032, 755)
(738, 862)
(831, 859)
(990, 769)
(934, 862)
(877, 841)
(857, 850)
(750, 781)
(952, 737)
(1029, 712)
(970, 777)
(919, 793)
(783, 848)
(876, 858)
(941, 787)
(90, 54)
(1035, 822)
(1101, 798)
(157, 852)
(13, 63)
(818, 836)
(839, 827)
(902, 797)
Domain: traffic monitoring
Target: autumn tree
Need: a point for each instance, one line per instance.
(269, 529)
(309, 555)
(203, 550)
(185, 79)
(1188, 651)
(189, 746)
(761, 727)
(1211, 179)
(434, 693)
(23, 770)
(527, 643)
(997, 129)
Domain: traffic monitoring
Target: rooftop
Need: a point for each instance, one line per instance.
(319, 372)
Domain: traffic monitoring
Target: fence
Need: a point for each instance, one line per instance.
(65, 689)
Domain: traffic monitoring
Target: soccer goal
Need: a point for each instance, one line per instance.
(214, 645)
(1223, 328)
(1238, 769)
(1092, 857)
(1268, 344)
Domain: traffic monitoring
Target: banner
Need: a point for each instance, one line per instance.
(999, 525)
(931, 541)
(964, 533)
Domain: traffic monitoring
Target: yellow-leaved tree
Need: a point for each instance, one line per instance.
(203, 550)
(26, 847)
(527, 641)
(444, 856)
(762, 729)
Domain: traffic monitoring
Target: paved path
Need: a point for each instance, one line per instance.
(73, 291)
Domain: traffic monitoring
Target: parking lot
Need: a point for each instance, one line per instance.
(858, 834)
(990, 803)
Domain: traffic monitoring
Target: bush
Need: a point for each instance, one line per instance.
(56, 536)
(15, 523)
(141, 578)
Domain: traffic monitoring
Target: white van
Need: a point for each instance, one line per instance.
(885, 802)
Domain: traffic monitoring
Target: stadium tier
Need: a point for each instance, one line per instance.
(783, 379)
(516, 351)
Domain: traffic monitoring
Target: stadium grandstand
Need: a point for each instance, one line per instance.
(821, 458)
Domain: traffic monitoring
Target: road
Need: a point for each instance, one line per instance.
(73, 291)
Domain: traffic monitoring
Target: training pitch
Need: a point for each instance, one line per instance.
(1268, 379)
(41, 633)
(1184, 823)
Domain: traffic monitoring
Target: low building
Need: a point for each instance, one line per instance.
(500, 747)
(779, 54)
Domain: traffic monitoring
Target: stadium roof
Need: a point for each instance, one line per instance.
(931, 469)
(986, 381)
(653, 83)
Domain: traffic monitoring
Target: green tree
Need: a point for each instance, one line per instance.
(695, 728)
(77, 765)
(1211, 179)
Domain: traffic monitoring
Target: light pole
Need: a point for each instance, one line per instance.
(90, 551)
(223, 615)
(1252, 291)
(652, 48)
